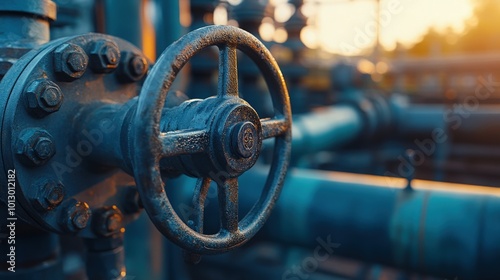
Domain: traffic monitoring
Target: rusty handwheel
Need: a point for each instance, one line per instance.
(216, 139)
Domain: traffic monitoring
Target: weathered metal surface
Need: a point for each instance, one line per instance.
(435, 229)
(226, 110)
(249, 15)
(41, 8)
(70, 61)
(43, 138)
(203, 66)
(24, 25)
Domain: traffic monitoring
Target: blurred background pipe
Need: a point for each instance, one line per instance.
(438, 229)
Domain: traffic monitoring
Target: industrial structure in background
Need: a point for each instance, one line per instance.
(136, 144)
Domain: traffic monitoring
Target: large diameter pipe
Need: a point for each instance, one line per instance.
(440, 229)
(336, 126)
(434, 232)
(25, 24)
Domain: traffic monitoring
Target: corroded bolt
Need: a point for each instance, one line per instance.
(51, 97)
(75, 215)
(113, 222)
(77, 62)
(44, 148)
(244, 139)
(107, 221)
(138, 66)
(43, 97)
(133, 67)
(70, 61)
(34, 147)
(104, 56)
(46, 194)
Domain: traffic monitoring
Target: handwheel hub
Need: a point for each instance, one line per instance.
(236, 138)
(243, 143)
(215, 140)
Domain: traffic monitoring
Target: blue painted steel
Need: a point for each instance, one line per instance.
(441, 233)
(331, 128)
(123, 19)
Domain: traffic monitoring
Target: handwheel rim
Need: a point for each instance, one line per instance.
(150, 104)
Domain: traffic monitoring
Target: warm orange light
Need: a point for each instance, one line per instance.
(148, 32)
(283, 12)
(365, 66)
(308, 36)
(266, 29)
(220, 15)
(349, 27)
(399, 183)
(234, 2)
(280, 35)
(381, 67)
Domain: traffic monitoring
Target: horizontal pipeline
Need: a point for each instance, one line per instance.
(434, 228)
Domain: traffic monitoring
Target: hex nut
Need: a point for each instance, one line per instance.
(46, 194)
(70, 62)
(43, 97)
(104, 56)
(107, 220)
(243, 142)
(133, 67)
(75, 216)
(34, 147)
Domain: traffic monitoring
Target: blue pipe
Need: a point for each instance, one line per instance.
(439, 229)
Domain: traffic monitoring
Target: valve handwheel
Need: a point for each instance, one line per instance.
(217, 139)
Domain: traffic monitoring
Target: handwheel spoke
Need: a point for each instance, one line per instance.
(228, 204)
(183, 142)
(199, 197)
(274, 127)
(228, 71)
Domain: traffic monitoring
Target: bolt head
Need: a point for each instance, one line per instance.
(55, 194)
(244, 139)
(47, 194)
(80, 219)
(70, 62)
(113, 222)
(77, 62)
(43, 97)
(51, 96)
(75, 216)
(44, 148)
(138, 66)
(105, 56)
(34, 147)
(133, 67)
(107, 220)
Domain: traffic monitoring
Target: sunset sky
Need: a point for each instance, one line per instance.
(346, 27)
